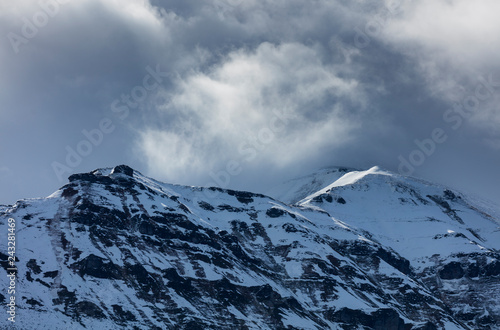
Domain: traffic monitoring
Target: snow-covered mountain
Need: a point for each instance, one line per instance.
(296, 189)
(343, 249)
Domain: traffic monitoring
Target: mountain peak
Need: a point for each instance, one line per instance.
(123, 169)
(297, 189)
(105, 174)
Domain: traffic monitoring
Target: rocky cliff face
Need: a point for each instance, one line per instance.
(114, 249)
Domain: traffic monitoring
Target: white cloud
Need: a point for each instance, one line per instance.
(462, 31)
(454, 43)
(229, 112)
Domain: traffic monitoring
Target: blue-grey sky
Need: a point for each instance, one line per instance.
(246, 93)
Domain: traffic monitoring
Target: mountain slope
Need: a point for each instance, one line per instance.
(114, 249)
(451, 244)
(296, 189)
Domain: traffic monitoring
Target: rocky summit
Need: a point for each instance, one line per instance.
(337, 249)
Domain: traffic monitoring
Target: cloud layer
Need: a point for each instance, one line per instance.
(263, 89)
(272, 106)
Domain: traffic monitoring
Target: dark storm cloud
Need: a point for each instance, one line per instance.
(251, 92)
(61, 81)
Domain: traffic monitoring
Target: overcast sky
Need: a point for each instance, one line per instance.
(247, 93)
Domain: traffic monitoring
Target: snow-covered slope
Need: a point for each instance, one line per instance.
(416, 218)
(114, 249)
(429, 225)
(299, 188)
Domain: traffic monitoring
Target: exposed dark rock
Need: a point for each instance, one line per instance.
(383, 319)
(123, 169)
(175, 218)
(52, 274)
(65, 297)
(427, 326)
(4, 261)
(225, 207)
(87, 213)
(147, 227)
(446, 206)
(473, 270)
(290, 228)
(181, 285)
(492, 269)
(69, 192)
(448, 194)
(397, 262)
(123, 314)
(242, 196)
(33, 302)
(32, 264)
(91, 178)
(328, 198)
(29, 277)
(98, 267)
(89, 309)
(206, 206)
(45, 284)
(452, 271)
(275, 212)
(140, 274)
(387, 319)
(487, 321)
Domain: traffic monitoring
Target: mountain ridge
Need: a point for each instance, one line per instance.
(114, 248)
